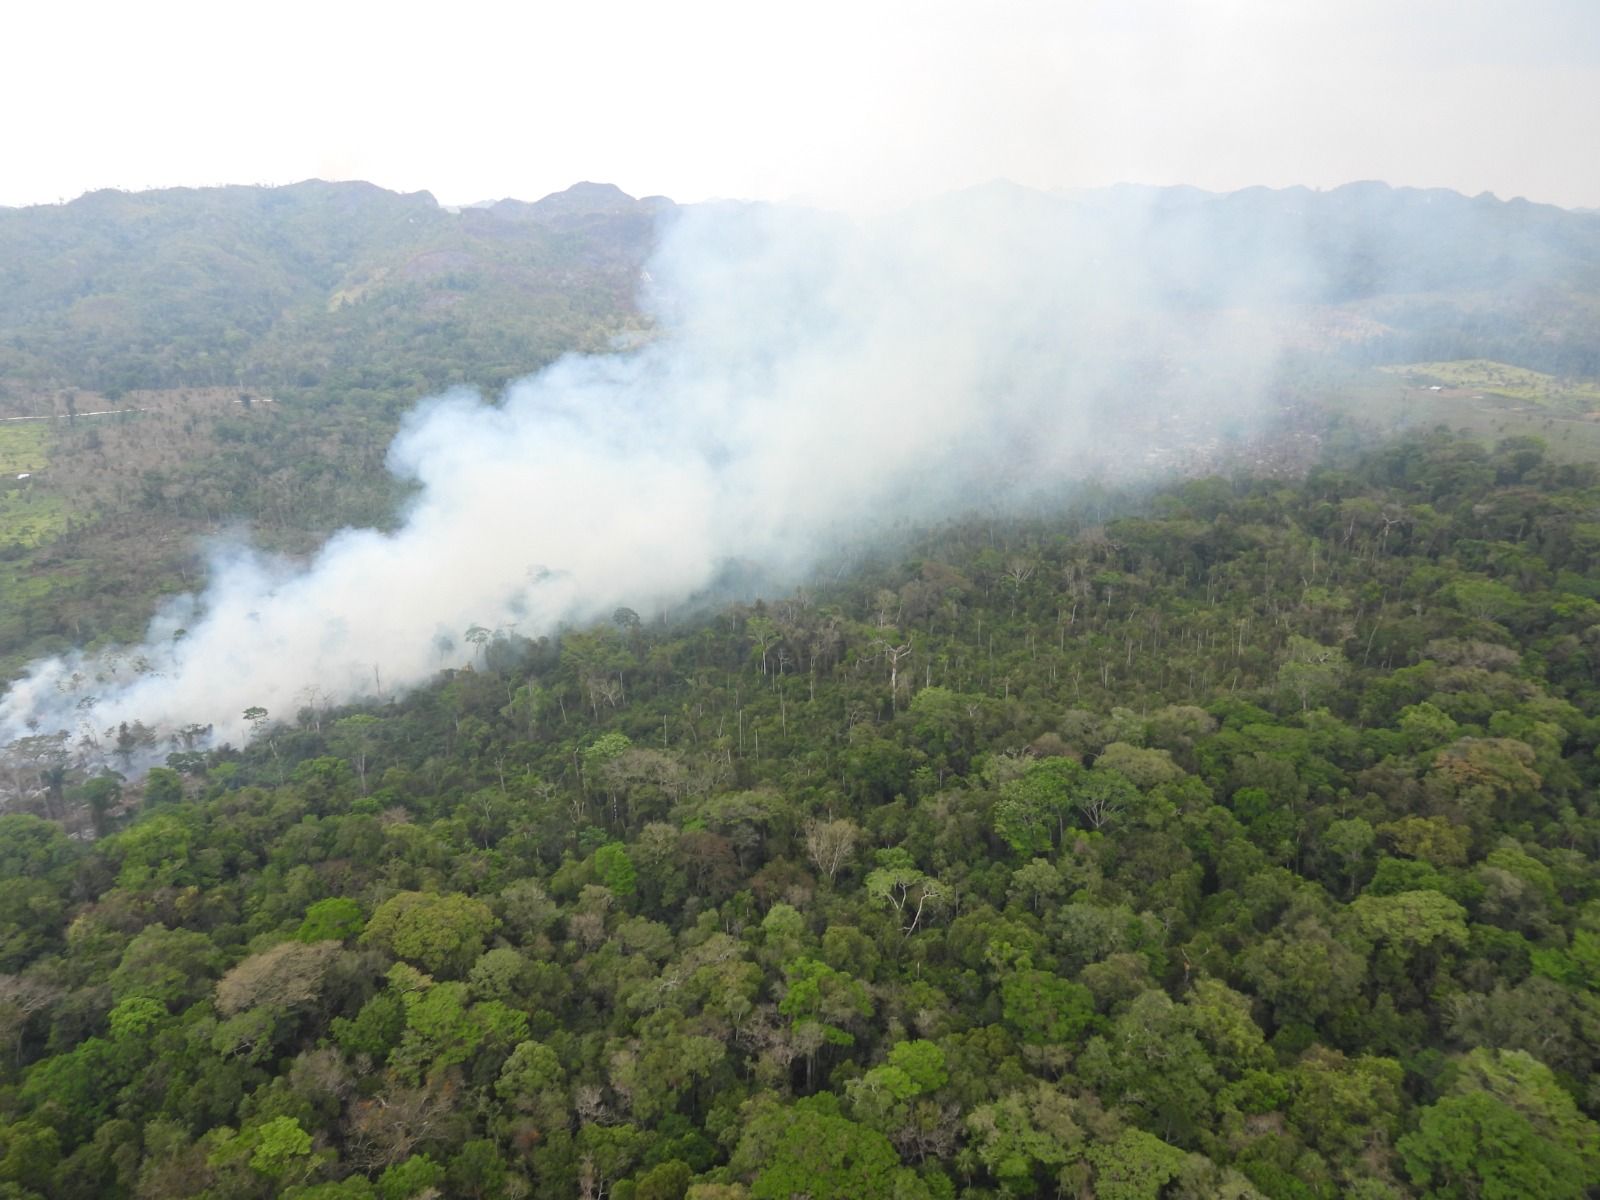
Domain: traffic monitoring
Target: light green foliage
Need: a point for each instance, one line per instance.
(1410, 924)
(335, 919)
(612, 1151)
(615, 868)
(1485, 599)
(154, 853)
(1432, 839)
(279, 1145)
(442, 933)
(1045, 1009)
(1304, 970)
(413, 1177)
(923, 1063)
(1134, 1167)
(664, 1181)
(1036, 881)
(134, 1017)
(374, 1030)
(1025, 1137)
(439, 1031)
(1311, 672)
(443, 1028)
(1167, 1060)
(499, 975)
(1578, 965)
(783, 932)
(1483, 773)
(1505, 1129)
(1104, 795)
(1343, 1103)
(1221, 1018)
(1504, 379)
(897, 884)
(477, 1170)
(827, 999)
(75, 1089)
(162, 785)
(664, 1061)
(29, 1153)
(532, 1067)
(1143, 768)
(808, 1150)
(1033, 808)
(247, 1037)
(603, 751)
(1425, 727)
(945, 720)
(1348, 841)
(527, 909)
(24, 446)
(354, 1188)
(882, 1098)
(173, 966)
(32, 518)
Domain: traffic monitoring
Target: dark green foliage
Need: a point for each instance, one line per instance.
(1232, 852)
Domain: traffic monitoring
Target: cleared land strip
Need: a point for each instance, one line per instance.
(99, 412)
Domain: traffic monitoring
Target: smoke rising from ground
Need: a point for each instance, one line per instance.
(812, 372)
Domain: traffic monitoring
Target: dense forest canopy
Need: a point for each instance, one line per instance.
(1233, 839)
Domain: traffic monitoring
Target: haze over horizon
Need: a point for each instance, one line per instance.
(845, 108)
(976, 187)
(986, 323)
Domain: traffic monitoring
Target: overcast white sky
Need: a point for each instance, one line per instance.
(845, 104)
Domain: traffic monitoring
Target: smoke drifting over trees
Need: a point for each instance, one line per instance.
(812, 374)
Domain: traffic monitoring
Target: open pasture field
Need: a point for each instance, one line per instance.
(1480, 375)
(1392, 401)
(24, 446)
(30, 517)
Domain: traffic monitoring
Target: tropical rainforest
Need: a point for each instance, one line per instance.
(1225, 837)
(1238, 841)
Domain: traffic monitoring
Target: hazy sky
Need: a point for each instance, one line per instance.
(838, 103)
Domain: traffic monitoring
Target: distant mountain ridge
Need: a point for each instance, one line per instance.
(311, 285)
(348, 287)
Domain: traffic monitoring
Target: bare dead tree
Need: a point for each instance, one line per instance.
(830, 844)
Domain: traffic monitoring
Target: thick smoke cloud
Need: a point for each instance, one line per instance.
(812, 373)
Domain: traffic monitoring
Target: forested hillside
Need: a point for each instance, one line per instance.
(1235, 839)
(187, 362)
(191, 363)
(319, 288)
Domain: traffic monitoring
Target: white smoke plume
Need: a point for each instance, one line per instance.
(811, 372)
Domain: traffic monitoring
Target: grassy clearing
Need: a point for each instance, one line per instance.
(31, 517)
(24, 446)
(31, 513)
(1377, 404)
(1502, 379)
